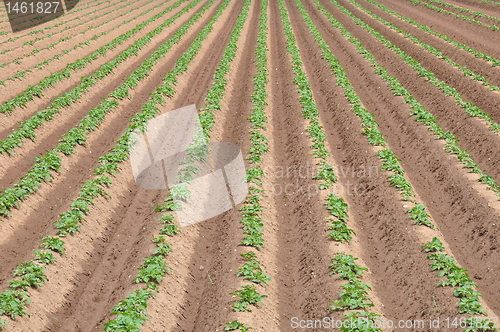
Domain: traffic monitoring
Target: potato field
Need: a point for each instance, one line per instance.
(369, 131)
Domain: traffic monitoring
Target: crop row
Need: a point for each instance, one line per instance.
(251, 210)
(21, 74)
(80, 7)
(28, 95)
(43, 167)
(354, 295)
(467, 72)
(197, 151)
(62, 39)
(480, 55)
(55, 25)
(423, 115)
(252, 220)
(465, 10)
(469, 300)
(490, 1)
(447, 12)
(27, 128)
(68, 224)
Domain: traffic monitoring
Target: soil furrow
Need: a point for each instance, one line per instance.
(463, 215)
(47, 54)
(23, 225)
(475, 136)
(73, 26)
(303, 253)
(83, 19)
(460, 11)
(492, 74)
(384, 230)
(11, 121)
(487, 8)
(84, 6)
(48, 135)
(209, 274)
(472, 35)
(20, 53)
(96, 289)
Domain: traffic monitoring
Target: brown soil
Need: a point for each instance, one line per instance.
(467, 33)
(76, 168)
(76, 39)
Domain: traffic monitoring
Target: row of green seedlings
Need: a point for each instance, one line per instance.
(480, 55)
(491, 1)
(467, 72)
(63, 39)
(35, 16)
(354, 295)
(128, 309)
(423, 115)
(493, 27)
(251, 220)
(44, 166)
(55, 25)
(469, 301)
(131, 312)
(465, 10)
(42, 17)
(27, 128)
(21, 74)
(80, 7)
(37, 90)
(12, 302)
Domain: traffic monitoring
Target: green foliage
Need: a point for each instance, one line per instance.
(420, 216)
(346, 267)
(459, 278)
(131, 312)
(163, 248)
(337, 207)
(251, 220)
(421, 114)
(434, 245)
(53, 243)
(354, 294)
(400, 182)
(391, 162)
(235, 325)
(368, 323)
(252, 270)
(12, 303)
(248, 295)
(46, 257)
(339, 231)
(180, 192)
(353, 297)
(475, 324)
(153, 271)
